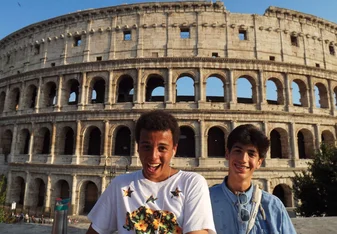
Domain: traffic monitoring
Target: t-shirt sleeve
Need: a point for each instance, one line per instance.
(197, 208)
(103, 214)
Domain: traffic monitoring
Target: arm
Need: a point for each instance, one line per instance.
(91, 230)
(197, 232)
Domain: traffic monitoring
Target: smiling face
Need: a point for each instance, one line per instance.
(243, 161)
(155, 151)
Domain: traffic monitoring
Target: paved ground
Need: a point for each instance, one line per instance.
(326, 225)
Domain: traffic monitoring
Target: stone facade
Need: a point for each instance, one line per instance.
(72, 88)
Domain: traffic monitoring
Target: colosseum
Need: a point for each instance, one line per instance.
(72, 88)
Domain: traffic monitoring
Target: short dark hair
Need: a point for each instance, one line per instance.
(248, 134)
(158, 120)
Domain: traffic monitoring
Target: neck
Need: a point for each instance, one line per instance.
(236, 186)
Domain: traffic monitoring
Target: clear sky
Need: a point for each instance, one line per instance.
(16, 14)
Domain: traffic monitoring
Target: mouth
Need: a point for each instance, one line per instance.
(152, 167)
(241, 167)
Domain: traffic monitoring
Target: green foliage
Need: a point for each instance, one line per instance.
(3, 185)
(316, 188)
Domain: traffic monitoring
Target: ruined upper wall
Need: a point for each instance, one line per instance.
(170, 29)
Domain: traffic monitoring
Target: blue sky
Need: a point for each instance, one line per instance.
(16, 14)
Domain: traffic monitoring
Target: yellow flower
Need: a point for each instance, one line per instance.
(141, 225)
(155, 224)
(149, 211)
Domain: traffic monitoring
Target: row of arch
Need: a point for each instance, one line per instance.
(88, 194)
(218, 89)
(122, 142)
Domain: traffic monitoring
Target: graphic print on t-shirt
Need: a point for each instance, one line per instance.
(147, 220)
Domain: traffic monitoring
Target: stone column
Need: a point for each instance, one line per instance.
(203, 139)
(13, 145)
(59, 94)
(260, 91)
(169, 40)
(103, 181)
(110, 92)
(232, 88)
(53, 143)
(31, 144)
(26, 199)
(113, 38)
(287, 88)
(86, 51)
(331, 98)
(22, 97)
(83, 99)
(317, 136)
(200, 96)
(76, 157)
(63, 56)
(6, 99)
(311, 95)
(38, 96)
(293, 141)
(74, 196)
(140, 98)
(106, 143)
(9, 188)
(49, 191)
(140, 35)
(168, 90)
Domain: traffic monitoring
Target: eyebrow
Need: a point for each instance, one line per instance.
(249, 150)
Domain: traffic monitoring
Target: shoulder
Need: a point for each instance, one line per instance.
(125, 178)
(192, 176)
(270, 198)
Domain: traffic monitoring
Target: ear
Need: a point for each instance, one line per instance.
(259, 163)
(227, 154)
(174, 150)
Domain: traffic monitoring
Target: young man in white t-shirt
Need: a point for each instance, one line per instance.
(159, 198)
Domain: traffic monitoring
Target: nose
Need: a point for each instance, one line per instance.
(243, 156)
(154, 154)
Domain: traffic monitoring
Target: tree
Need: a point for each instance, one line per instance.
(316, 188)
(3, 183)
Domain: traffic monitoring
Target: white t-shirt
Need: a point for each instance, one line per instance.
(134, 204)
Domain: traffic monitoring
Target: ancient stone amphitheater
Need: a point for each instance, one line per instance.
(72, 88)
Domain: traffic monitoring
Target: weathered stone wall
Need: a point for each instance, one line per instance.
(40, 68)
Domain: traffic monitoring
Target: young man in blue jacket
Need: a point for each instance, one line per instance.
(238, 205)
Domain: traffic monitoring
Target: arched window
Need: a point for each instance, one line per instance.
(283, 192)
(123, 142)
(153, 82)
(186, 145)
(125, 87)
(90, 197)
(275, 144)
(215, 90)
(69, 141)
(30, 98)
(94, 141)
(98, 91)
(246, 90)
(299, 93)
(185, 89)
(274, 91)
(321, 96)
(216, 142)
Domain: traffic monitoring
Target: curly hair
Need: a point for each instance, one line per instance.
(158, 120)
(248, 134)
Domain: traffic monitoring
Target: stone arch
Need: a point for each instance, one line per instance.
(24, 141)
(49, 94)
(61, 189)
(186, 144)
(38, 192)
(153, 82)
(303, 94)
(185, 88)
(97, 90)
(305, 144)
(93, 141)
(42, 141)
(71, 92)
(30, 97)
(88, 197)
(6, 143)
(283, 192)
(279, 144)
(125, 88)
(14, 99)
(2, 101)
(67, 141)
(250, 97)
(215, 88)
(328, 138)
(122, 146)
(322, 95)
(278, 97)
(18, 190)
(216, 145)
